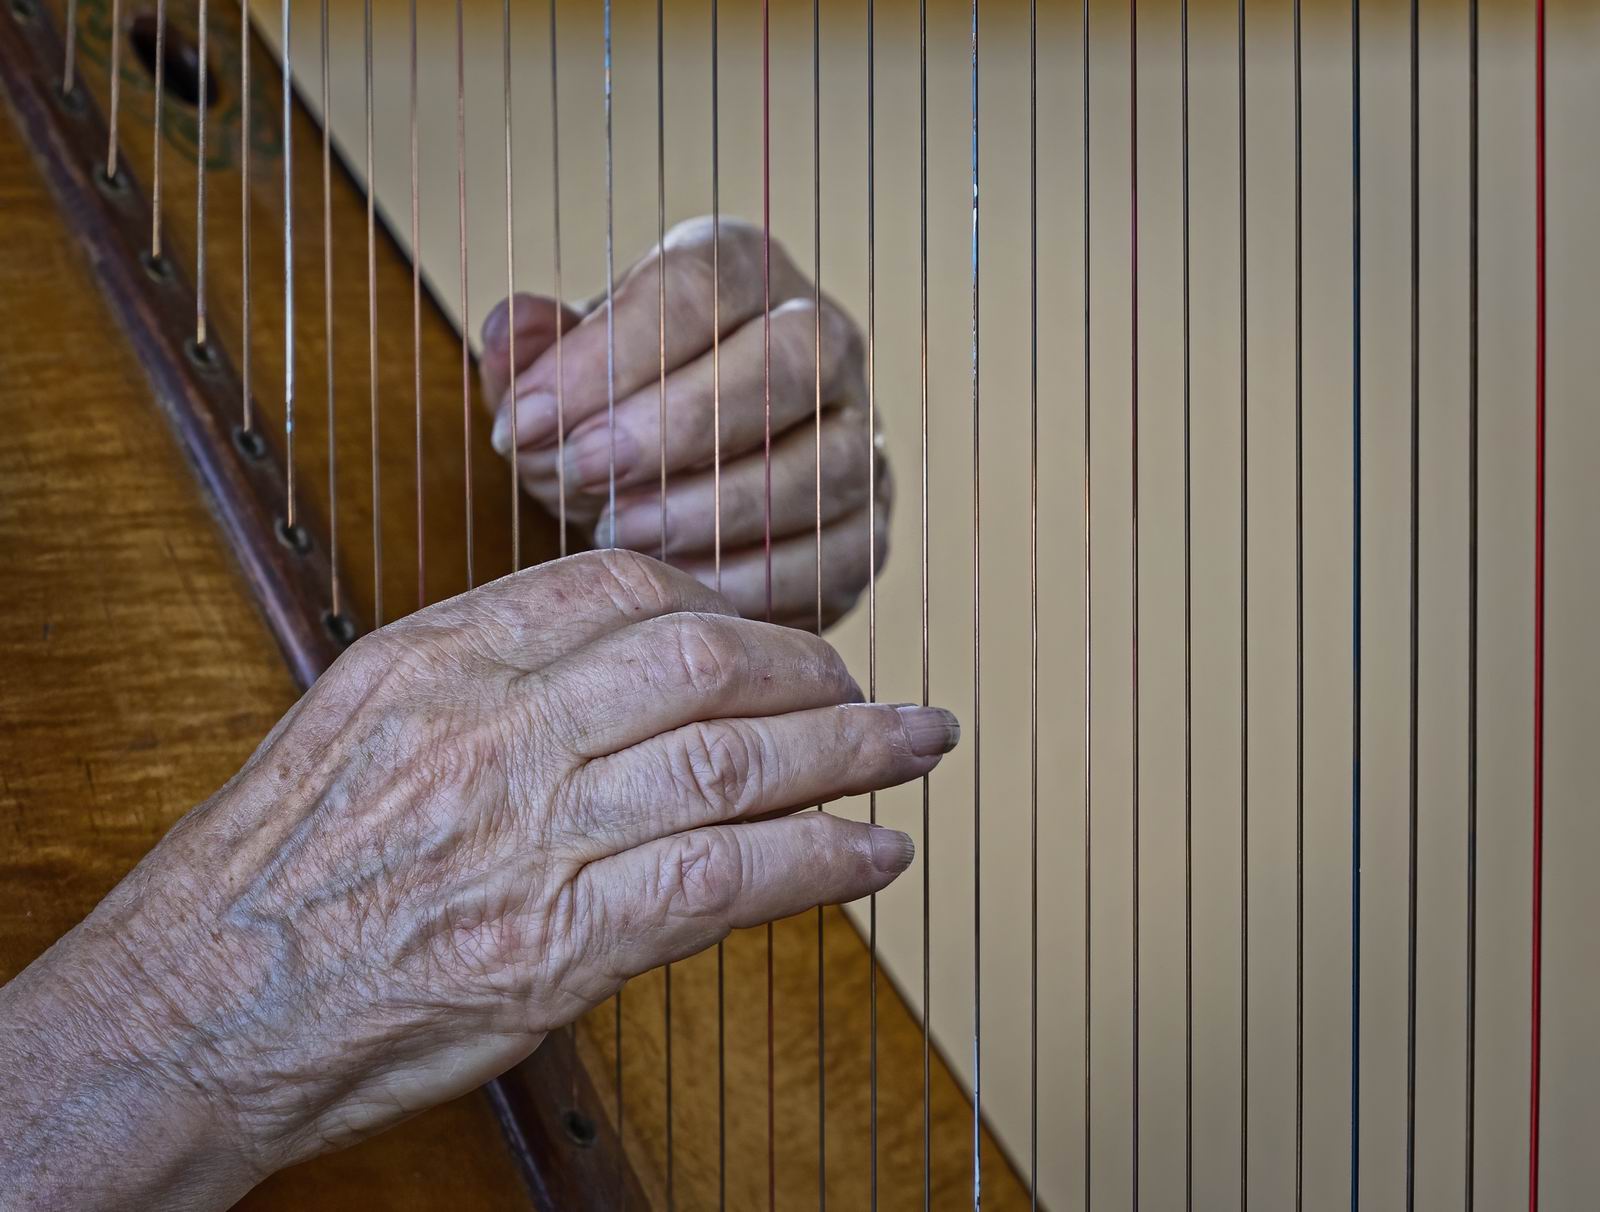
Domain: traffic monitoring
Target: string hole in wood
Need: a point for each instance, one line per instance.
(181, 60)
(201, 355)
(339, 627)
(580, 1128)
(71, 99)
(156, 268)
(24, 10)
(296, 537)
(250, 444)
(112, 185)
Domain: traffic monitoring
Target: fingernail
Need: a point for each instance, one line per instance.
(605, 530)
(494, 324)
(930, 730)
(535, 422)
(591, 458)
(892, 851)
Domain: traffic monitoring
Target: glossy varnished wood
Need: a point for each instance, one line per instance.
(135, 673)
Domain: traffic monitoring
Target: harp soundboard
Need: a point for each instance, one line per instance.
(1231, 361)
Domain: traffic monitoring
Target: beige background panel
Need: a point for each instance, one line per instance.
(1572, 1065)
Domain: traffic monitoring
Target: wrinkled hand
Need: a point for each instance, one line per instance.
(692, 402)
(479, 823)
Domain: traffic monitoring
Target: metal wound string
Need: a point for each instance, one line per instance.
(816, 310)
(1133, 518)
(555, 213)
(872, 560)
(922, 352)
(977, 671)
(1244, 633)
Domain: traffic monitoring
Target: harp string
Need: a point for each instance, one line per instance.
(327, 316)
(661, 395)
(816, 310)
(1088, 645)
(872, 567)
(116, 88)
(372, 320)
(416, 311)
(1244, 629)
(1033, 604)
(1188, 637)
(287, 116)
(716, 557)
(977, 668)
(1299, 631)
(200, 193)
(1540, 385)
(555, 213)
(922, 368)
(511, 289)
(1470, 1077)
(766, 459)
(69, 60)
(1355, 608)
(246, 404)
(1415, 591)
(466, 322)
(1133, 518)
(611, 486)
(155, 131)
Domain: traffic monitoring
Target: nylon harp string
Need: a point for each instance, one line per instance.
(372, 317)
(922, 375)
(977, 663)
(1355, 609)
(290, 520)
(1299, 631)
(1412, 652)
(201, 349)
(1133, 580)
(416, 314)
(1188, 646)
(611, 475)
(1540, 386)
(511, 285)
(115, 70)
(1244, 624)
(661, 404)
(1033, 604)
(1470, 1060)
(466, 322)
(1088, 645)
(872, 558)
(246, 406)
(334, 602)
(555, 223)
(766, 459)
(156, 114)
(816, 305)
(716, 557)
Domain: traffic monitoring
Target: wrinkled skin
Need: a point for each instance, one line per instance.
(477, 825)
(714, 388)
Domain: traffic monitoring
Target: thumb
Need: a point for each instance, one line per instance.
(528, 322)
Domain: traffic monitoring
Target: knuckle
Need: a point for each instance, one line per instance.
(701, 874)
(709, 653)
(635, 584)
(722, 766)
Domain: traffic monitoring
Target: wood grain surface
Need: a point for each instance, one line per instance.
(136, 674)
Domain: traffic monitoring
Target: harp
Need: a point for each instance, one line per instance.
(1228, 512)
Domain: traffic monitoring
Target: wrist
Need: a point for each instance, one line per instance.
(111, 1101)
